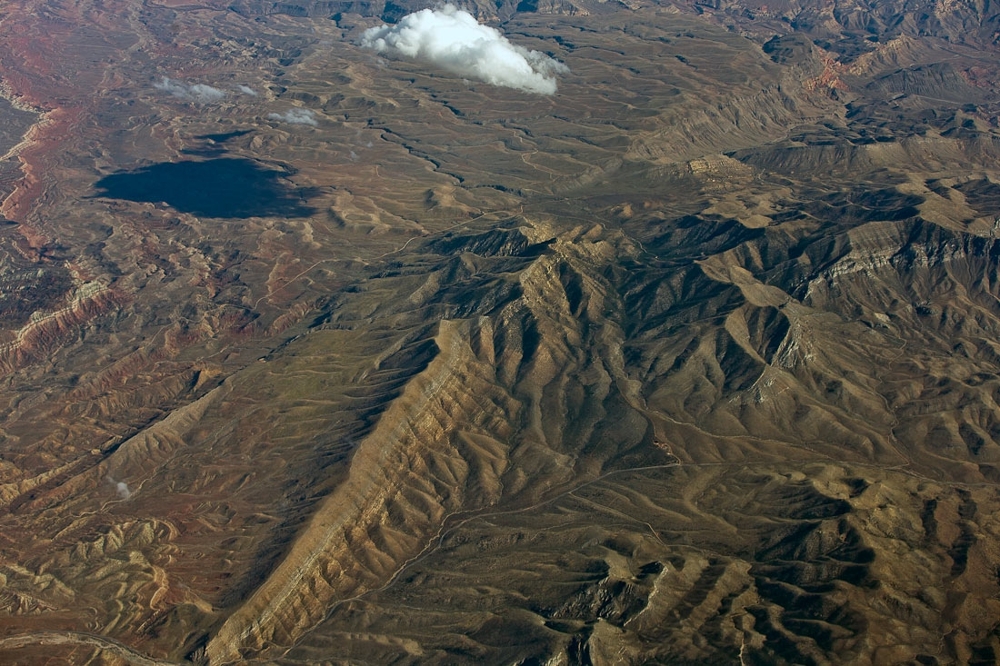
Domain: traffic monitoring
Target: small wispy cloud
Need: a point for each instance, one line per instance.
(453, 40)
(246, 90)
(194, 92)
(121, 488)
(295, 117)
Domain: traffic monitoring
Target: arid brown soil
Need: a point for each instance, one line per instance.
(695, 361)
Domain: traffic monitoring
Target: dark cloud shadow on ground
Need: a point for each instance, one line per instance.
(223, 187)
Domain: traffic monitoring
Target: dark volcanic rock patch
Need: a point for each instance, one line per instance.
(14, 122)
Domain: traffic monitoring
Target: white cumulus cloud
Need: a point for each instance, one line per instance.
(197, 92)
(295, 117)
(453, 40)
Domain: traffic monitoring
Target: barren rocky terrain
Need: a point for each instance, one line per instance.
(315, 354)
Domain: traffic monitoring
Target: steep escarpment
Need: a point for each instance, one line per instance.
(404, 478)
(488, 419)
(766, 349)
(671, 539)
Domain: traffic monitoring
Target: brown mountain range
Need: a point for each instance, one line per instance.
(311, 354)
